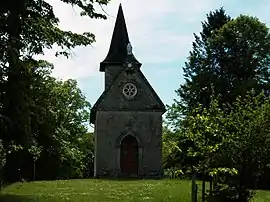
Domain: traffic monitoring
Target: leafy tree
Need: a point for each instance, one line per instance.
(175, 152)
(26, 28)
(230, 58)
(86, 145)
(244, 56)
(201, 69)
(35, 151)
(61, 119)
(169, 147)
(234, 144)
(227, 62)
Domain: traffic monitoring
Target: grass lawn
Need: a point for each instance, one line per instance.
(104, 191)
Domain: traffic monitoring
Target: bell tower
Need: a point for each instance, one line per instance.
(118, 49)
(127, 115)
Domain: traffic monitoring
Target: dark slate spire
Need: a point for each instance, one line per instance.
(118, 49)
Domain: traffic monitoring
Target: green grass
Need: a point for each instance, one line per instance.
(105, 191)
(261, 196)
(98, 191)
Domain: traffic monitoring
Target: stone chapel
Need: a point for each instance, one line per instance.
(127, 116)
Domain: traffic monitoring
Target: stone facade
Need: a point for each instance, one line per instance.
(112, 126)
(128, 107)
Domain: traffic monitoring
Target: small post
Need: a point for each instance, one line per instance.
(193, 188)
(34, 171)
(196, 193)
(203, 188)
(211, 185)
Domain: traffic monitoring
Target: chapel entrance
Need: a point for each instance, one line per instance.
(129, 156)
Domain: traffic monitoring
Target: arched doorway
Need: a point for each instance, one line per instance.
(129, 155)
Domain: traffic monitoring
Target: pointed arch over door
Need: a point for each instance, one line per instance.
(129, 155)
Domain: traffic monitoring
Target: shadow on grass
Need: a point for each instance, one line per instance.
(16, 198)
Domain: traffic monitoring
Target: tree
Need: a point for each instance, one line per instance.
(201, 68)
(86, 145)
(232, 59)
(197, 87)
(233, 144)
(170, 148)
(59, 121)
(35, 151)
(26, 28)
(244, 56)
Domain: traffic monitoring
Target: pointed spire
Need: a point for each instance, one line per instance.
(118, 48)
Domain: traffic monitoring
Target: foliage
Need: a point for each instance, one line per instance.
(65, 122)
(226, 193)
(201, 70)
(230, 58)
(35, 150)
(173, 173)
(245, 60)
(59, 117)
(27, 28)
(169, 146)
(233, 143)
(216, 130)
(175, 156)
(86, 145)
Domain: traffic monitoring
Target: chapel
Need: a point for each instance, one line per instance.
(128, 114)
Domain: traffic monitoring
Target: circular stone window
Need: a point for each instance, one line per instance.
(130, 90)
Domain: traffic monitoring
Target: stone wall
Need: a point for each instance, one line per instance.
(112, 126)
(110, 73)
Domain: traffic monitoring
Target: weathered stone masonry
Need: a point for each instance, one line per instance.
(128, 114)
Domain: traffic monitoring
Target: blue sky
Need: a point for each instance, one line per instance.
(161, 33)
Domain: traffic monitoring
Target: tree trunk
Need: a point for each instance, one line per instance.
(13, 103)
(194, 189)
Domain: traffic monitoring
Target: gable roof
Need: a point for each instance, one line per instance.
(118, 48)
(105, 93)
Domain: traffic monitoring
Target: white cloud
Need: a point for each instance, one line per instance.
(151, 42)
(153, 27)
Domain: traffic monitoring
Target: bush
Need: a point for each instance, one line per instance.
(174, 173)
(227, 193)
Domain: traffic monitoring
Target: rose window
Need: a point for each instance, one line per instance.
(129, 90)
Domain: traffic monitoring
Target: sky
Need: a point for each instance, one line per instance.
(161, 34)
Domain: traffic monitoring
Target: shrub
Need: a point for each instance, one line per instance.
(174, 173)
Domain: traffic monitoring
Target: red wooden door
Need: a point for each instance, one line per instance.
(129, 155)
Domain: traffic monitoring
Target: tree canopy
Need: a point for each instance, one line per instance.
(229, 58)
(46, 114)
(220, 121)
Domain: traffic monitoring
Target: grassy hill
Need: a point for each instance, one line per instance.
(104, 191)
